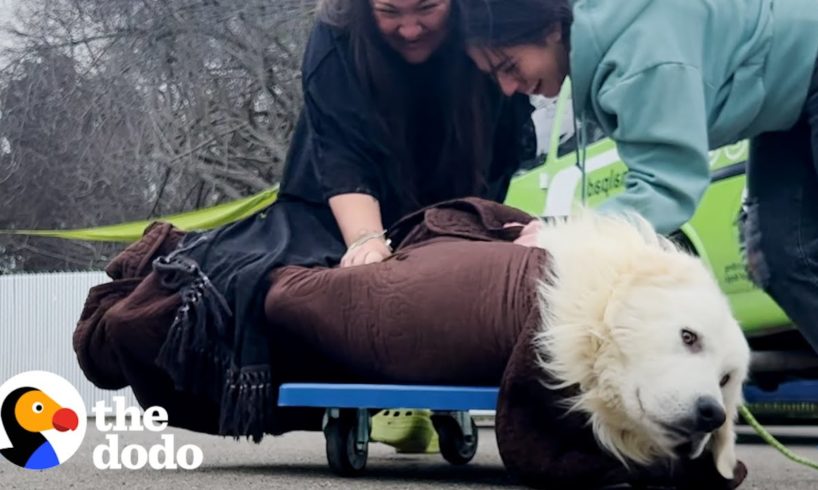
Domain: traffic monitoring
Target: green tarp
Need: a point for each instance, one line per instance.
(200, 219)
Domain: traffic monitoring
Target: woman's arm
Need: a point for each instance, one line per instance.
(347, 157)
(659, 122)
(357, 215)
(359, 219)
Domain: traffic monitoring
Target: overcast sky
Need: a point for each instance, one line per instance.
(4, 5)
(6, 8)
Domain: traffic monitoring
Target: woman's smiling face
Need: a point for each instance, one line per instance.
(526, 68)
(413, 28)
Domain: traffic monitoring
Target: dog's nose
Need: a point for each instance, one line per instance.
(709, 414)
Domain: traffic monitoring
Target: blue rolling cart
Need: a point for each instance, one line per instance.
(347, 424)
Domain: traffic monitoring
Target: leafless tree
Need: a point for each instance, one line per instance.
(112, 110)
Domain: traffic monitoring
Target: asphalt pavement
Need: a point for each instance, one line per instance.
(297, 460)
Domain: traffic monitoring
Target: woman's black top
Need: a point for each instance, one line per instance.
(339, 146)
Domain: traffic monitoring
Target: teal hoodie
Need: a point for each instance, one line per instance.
(670, 79)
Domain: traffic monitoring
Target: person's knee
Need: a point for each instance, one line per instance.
(769, 256)
(752, 244)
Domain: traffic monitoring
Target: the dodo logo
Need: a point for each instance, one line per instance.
(43, 420)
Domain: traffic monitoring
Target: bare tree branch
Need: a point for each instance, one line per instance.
(113, 110)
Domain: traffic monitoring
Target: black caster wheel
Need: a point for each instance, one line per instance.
(458, 446)
(347, 436)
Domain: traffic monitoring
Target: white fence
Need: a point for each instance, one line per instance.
(38, 314)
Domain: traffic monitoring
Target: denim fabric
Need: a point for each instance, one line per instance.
(780, 222)
(811, 115)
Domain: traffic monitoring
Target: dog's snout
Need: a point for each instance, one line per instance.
(709, 414)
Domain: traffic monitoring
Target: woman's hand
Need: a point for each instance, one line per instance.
(357, 215)
(369, 252)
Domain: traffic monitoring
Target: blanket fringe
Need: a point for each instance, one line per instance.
(247, 400)
(198, 361)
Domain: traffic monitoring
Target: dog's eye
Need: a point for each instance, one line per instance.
(724, 380)
(689, 338)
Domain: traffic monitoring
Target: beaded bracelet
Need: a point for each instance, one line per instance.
(369, 236)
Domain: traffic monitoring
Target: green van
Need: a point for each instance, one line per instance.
(555, 186)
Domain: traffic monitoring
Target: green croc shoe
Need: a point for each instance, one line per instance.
(407, 430)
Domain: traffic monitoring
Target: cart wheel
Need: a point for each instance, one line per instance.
(345, 455)
(456, 448)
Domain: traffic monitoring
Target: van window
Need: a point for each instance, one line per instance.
(593, 133)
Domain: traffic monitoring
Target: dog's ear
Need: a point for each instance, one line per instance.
(724, 446)
(724, 439)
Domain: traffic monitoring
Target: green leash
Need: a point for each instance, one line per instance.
(772, 441)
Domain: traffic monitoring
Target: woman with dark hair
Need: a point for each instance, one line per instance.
(670, 80)
(396, 117)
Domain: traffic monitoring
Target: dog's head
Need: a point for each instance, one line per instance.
(662, 361)
(682, 357)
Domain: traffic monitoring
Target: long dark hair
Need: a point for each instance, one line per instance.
(468, 128)
(503, 23)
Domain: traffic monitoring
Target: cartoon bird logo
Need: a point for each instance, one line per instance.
(26, 413)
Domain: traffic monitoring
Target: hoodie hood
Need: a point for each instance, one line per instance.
(588, 44)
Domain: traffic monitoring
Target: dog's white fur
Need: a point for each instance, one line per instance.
(617, 298)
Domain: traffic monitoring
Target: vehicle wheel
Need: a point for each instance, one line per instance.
(456, 448)
(345, 456)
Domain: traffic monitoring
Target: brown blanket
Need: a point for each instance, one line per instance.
(454, 305)
(448, 311)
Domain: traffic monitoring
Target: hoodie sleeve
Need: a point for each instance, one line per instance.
(659, 121)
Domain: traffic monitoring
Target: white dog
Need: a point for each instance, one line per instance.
(644, 331)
